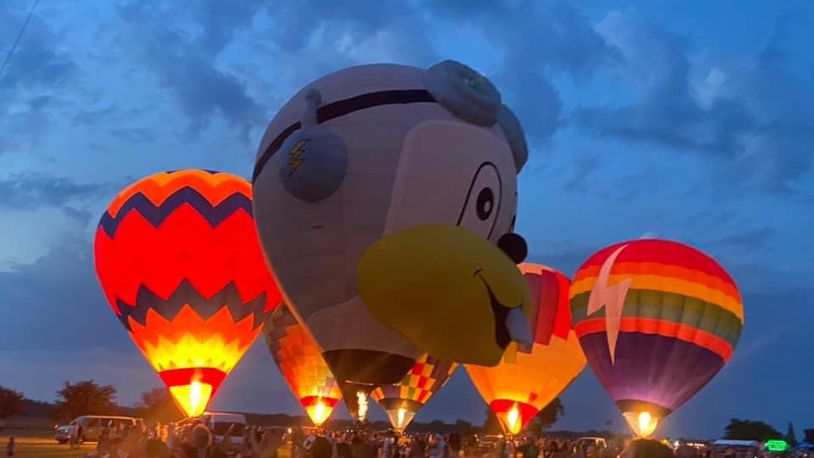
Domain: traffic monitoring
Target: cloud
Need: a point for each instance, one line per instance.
(750, 114)
(538, 41)
(750, 238)
(37, 71)
(31, 190)
(38, 60)
(186, 63)
(56, 302)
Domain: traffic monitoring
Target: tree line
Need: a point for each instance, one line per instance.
(87, 397)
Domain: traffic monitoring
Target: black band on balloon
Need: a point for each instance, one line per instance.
(342, 108)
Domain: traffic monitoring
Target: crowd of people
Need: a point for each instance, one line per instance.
(195, 440)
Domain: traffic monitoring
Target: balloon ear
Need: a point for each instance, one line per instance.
(513, 131)
(464, 92)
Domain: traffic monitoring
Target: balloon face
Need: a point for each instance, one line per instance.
(528, 379)
(407, 153)
(300, 361)
(657, 320)
(401, 402)
(177, 256)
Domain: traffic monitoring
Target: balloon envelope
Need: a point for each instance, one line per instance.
(178, 258)
(657, 320)
(526, 381)
(300, 361)
(401, 402)
(353, 159)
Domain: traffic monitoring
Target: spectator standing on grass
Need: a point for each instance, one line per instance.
(10, 446)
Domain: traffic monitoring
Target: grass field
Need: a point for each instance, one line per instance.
(45, 448)
(35, 438)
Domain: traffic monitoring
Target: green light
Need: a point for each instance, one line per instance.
(777, 445)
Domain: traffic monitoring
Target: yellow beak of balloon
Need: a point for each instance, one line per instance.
(449, 291)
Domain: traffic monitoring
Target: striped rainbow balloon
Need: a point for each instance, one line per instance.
(657, 320)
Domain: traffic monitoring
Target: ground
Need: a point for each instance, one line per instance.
(35, 438)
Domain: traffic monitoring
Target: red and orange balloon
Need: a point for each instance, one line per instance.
(527, 380)
(179, 261)
(300, 361)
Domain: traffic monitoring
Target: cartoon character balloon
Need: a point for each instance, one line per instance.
(399, 190)
(300, 361)
(657, 320)
(527, 380)
(401, 402)
(178, 258)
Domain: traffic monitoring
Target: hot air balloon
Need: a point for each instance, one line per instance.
(401, 402)
(657, 320)
(398, 185)
(300, 361)
(528, 379)
(178, 259)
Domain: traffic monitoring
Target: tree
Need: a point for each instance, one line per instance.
(791, 438)
(11, 402)
(546, 417)
(809, 435)
(491, 425)
(750, 430)
(464, 428)
(84, 398)
(157, 405)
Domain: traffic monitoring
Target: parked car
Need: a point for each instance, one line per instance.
(219, 423)
(91, 426)
(594, 442)
(62, 433)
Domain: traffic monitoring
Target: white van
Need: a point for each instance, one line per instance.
(597, 443)
(91, 426)
(219, 423)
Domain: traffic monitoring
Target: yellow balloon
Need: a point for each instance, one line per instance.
(451, 292)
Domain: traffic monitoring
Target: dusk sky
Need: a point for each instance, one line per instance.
(687, 120)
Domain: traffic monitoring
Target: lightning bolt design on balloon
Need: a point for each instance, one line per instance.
(294, 157)
(610, 297)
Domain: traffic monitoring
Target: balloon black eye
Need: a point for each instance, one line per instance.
(485, 203)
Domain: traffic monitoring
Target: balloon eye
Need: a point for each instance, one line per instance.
(482, 204)
(485, 203)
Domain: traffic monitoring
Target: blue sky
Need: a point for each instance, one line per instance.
(685, 120)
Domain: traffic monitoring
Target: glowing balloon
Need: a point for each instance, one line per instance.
(177, 256)
(358, 157)
(527, 380)
(657, 320)
(300, 361)
(401, 402)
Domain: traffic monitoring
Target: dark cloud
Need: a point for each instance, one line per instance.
(751, 238)
(538, 41)
(34, 190)
(582, 169)
(37, 70)
(56, 302)
(185, 63)
(38, 60)
(755, 117)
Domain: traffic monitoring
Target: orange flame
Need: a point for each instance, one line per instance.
(361, 398)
